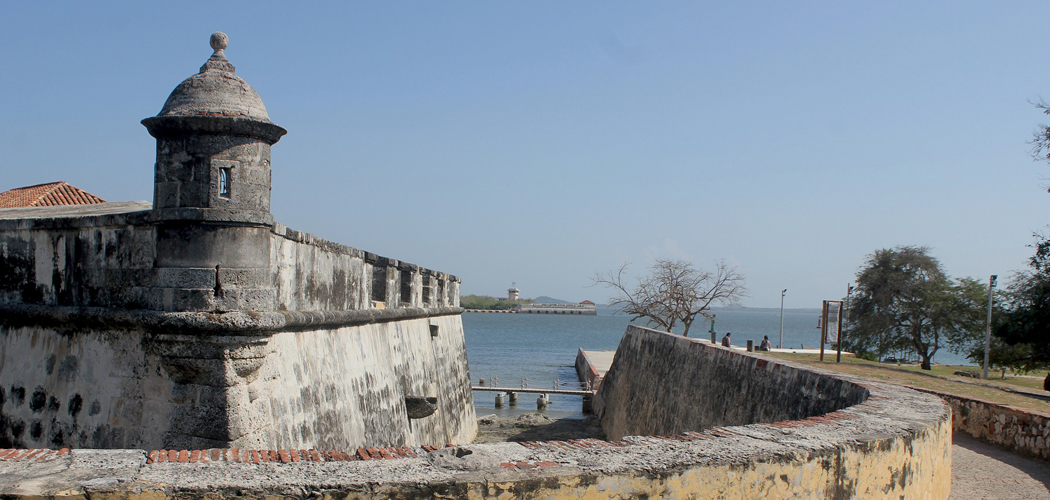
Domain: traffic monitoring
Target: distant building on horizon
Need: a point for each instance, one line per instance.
(585, 308)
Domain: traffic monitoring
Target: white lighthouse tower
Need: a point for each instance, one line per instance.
(512, 292)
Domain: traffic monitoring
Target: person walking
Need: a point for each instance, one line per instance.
(727, 341)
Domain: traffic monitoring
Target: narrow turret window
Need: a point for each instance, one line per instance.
(224, 182)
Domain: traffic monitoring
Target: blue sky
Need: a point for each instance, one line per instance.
(539, 142)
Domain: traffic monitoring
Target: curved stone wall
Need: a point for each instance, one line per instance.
(664, 384)
(894, 444)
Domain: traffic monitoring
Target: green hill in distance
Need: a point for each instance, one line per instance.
(543, 299)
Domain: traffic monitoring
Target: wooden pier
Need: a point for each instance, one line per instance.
(533, 390)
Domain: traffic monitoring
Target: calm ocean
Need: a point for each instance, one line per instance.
(542, 348)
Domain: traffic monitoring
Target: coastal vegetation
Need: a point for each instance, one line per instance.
(675, 293)
(485, 302)
(1022, 318)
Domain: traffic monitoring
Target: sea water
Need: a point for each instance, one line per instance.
(541, 348)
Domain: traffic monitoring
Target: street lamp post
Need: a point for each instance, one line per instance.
(988, 329)
(781, 344)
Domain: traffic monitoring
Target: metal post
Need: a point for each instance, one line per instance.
(838, 357)
(823, 328)
(780, 345)
(988, 328)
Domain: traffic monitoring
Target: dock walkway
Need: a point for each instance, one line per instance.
(591, 366)
(532, 390)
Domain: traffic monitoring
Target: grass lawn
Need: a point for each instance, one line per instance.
(1019, 391)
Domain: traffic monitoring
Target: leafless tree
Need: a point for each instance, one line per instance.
(1041, 138)
(674, 293)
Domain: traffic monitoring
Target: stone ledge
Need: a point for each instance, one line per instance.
(109, 214)
(239, 322)
(304, 238)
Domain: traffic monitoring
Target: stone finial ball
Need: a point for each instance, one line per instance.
(219, 41)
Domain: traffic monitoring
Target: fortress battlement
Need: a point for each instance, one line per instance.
(197, 321)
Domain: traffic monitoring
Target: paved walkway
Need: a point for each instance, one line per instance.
(984, 471)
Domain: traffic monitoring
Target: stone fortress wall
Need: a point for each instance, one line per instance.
(83, 363)
(876, 441)
(197, 321)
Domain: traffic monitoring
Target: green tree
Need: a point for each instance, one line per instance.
(1025, 321)
(1002, 356)
(904, 299)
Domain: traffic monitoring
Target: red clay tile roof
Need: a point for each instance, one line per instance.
(47, 195)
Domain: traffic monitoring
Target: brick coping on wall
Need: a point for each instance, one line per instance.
(293, 456)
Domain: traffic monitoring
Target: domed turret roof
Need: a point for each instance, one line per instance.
(216, 91)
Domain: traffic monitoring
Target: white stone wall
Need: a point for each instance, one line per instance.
(346, 387)
(315, 275)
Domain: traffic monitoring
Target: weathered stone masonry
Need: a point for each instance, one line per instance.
(894, 443)
(199, 322)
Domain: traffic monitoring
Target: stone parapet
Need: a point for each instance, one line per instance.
(661, 383)
(316, 274)
(118, 260)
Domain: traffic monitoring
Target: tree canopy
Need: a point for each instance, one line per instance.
(487, 302)
(1024, 323)
(905, 300)
(674, 293)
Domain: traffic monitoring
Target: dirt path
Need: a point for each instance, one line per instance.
(984, 471)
